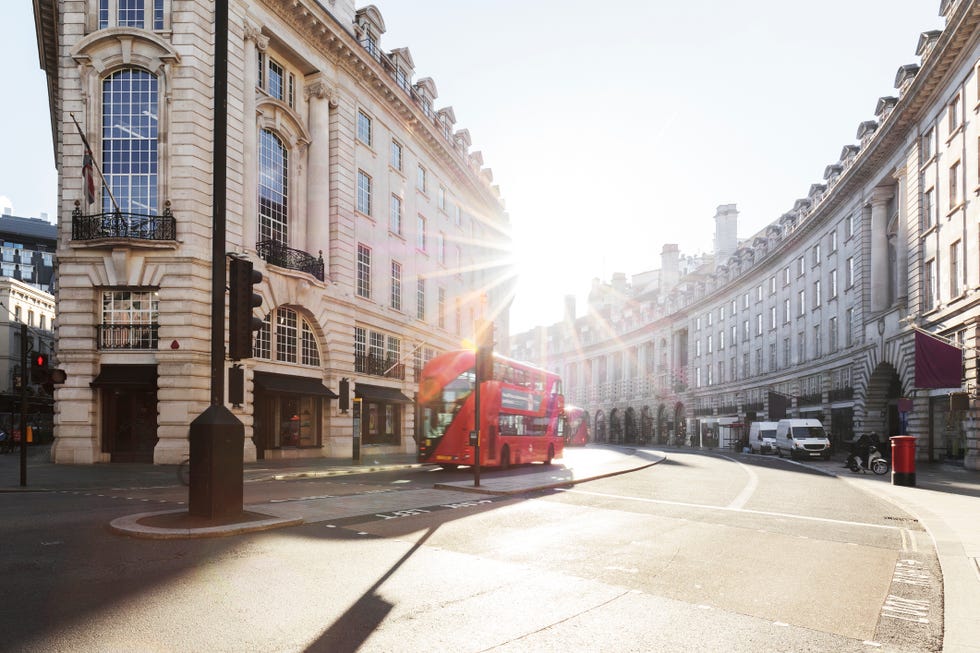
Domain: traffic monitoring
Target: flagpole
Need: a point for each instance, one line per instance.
(95, 163)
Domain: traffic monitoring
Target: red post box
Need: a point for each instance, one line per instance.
(903, 460)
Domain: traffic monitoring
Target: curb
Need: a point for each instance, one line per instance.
(339, 472)
(132, 526)
(540, 488)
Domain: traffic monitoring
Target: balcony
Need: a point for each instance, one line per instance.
(812, 399)
(841, 394)
(128, 336)
(125, 226)
(389, 368)
(275, 253)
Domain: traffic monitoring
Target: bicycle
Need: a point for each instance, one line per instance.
(184, 471)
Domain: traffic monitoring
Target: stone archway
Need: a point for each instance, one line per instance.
(680, 421)
(630, 427)
(600, 432)
(615, 426)
(646, 425)
(881, 403)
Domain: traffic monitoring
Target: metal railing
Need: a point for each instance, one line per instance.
(840, 394)
(128, 336)
(376, 366)
(117, 224)
(275, 253)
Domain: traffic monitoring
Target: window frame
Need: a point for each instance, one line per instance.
(363, 277)
(364, 131)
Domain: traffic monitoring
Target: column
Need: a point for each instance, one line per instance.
(902, 244)
(254, 43)
(320, 99)
(879, 248)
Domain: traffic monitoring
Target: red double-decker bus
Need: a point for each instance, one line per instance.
(576, 426)
(521, 409)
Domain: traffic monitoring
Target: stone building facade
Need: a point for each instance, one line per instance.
(377, 230)
(816, 314)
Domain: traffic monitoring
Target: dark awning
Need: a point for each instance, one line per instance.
(380, 393)
(139, 376)
(293, 385)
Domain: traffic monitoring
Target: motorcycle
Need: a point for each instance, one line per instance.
(6, 442)
(876, 462)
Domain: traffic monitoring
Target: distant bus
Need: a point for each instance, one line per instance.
(520, 413)
(576, 426)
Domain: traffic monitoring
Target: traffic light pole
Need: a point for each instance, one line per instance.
(23, 404)
(217, 437)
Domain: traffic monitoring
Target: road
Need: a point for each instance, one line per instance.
(701, 552)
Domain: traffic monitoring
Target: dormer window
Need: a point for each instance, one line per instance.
(370, 26)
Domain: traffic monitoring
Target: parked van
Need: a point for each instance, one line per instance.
(802, 438)
(762, 437)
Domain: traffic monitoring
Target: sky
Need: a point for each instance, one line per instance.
(611, 128)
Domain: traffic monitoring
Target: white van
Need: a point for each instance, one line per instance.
(762, 437)
(802, 438)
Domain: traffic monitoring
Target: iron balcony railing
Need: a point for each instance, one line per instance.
(128, 336)
(812, 399)
(276, 253)
(118, 224)
(378, 366)
(840, 394)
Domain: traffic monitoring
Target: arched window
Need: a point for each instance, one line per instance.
(129, 140)
(273, 188)
(293, 339)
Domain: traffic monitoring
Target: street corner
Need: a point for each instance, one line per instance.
(181, 525)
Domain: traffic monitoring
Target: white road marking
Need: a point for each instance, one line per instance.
(914, 610)
(702, 506)
(750, 487)
(910, 572)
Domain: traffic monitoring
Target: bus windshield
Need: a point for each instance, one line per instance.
(439, 412)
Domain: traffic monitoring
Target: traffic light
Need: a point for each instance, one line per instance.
(43, 374)
(484, 350)
(39, 368)
(241, 323)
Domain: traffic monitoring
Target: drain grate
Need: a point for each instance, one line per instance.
(906, 520)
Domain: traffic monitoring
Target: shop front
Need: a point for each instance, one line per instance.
(128, 399)
(289, 414)
(383, 413)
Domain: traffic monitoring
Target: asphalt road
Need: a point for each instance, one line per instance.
(698, 553)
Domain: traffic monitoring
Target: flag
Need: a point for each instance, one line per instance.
(87, 178)
(937, 364)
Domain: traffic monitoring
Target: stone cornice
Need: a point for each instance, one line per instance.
(322, 31)
(889, 139)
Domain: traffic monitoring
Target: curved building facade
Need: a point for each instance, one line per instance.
(846, 308)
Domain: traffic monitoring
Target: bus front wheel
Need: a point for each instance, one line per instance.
(505, 457)
(448, 466)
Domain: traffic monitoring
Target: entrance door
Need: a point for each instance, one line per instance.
(129, 424)
(263, 424)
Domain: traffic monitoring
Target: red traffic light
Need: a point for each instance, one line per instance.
(40, 360)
